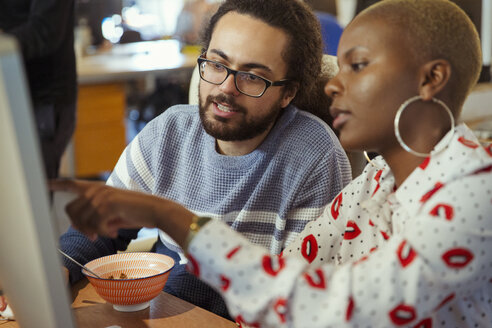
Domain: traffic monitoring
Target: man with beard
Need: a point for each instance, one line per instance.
(246, 155)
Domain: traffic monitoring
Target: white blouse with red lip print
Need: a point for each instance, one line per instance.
(419, 256)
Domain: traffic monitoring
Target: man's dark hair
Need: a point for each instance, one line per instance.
(304, 50)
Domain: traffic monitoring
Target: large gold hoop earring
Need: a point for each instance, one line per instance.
(397, 124)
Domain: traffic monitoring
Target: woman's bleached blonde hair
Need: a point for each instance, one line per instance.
(437, 29)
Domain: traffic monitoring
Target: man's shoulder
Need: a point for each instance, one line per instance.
(306, 140)
(179, 112)
(175, 122)
(306, 128)
(176, 116)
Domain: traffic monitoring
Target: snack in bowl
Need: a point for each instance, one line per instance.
(130, 280)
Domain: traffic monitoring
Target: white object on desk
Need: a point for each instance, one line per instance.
(60, 201)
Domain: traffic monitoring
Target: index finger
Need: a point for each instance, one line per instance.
(70, 185)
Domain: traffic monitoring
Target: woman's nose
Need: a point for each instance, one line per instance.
(333, 87)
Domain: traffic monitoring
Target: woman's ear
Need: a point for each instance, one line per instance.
(435, 76)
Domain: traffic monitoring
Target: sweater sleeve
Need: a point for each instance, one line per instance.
(134, 169)
(83, 250)
(432, 262)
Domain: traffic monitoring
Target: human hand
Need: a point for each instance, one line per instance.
(66, 275)
(5, 310)
(103, 210)
(3, 302)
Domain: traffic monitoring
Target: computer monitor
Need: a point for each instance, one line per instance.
(30, 267)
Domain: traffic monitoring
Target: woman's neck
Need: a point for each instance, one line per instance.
(403, 163)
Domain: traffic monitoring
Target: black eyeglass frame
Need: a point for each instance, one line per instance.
(230, 71)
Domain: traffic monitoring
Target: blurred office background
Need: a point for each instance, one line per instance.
(135, 58)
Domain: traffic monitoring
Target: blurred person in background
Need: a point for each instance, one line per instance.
(45, 32)
(192, 18)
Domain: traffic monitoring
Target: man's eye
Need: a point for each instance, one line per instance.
(216, 66)
(250, 77)
(356, 67)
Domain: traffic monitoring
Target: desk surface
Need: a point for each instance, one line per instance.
(165, 311)
(132, 60)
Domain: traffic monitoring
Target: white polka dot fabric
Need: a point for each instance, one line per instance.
(418, 256)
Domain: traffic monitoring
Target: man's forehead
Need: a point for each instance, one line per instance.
(243, 39)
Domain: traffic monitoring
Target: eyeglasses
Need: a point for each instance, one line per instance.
(247, 83)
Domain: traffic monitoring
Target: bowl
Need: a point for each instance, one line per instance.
(129, 280)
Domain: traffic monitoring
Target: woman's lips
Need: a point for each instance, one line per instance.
(340, 119)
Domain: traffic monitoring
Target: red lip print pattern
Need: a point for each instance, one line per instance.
(443, 210)
(226, 282)
(457, 258)
(271, 268)
(362, 259)
(402, 314)
(425, 162)
(350, 309)
(426, 323)
(486, 169)
(444, 301)
(385, 235)
(280, 308)
(406, 254)
(352, 230)
(318, 281)
(488, 149)
(377, 177)
(233, 252)
(467, 142)
(240, 322)
(309, 248)
(193, 266)
(431, 192)
(335, 206)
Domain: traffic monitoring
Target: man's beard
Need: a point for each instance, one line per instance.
(221, 128)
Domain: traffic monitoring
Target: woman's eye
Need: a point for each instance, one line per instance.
(356, 67)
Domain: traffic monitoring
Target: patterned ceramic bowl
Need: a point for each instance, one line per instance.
(129, 280)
